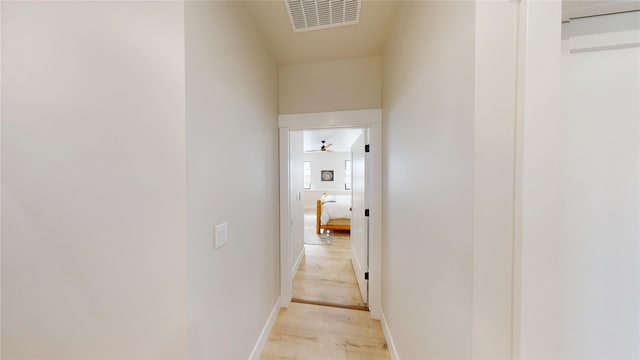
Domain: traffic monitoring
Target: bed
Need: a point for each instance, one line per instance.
(333, 212)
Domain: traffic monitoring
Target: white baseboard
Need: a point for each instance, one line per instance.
(297, 264)
(264, 335)
(387, 335)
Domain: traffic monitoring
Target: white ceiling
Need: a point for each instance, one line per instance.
(367, 38)
(342, 139)
(362, 40)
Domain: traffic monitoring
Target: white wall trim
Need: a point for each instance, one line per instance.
(0, 176)
(538, 171)
(372, 119)
(375, 222)
(264, 335)
(352, 118)
(286, 281)
(391, 346)
(298, 261)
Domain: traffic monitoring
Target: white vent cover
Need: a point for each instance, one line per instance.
(306, 15)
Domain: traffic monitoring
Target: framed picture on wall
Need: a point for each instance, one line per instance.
(326, 175)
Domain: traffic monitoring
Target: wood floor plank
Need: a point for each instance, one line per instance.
(305, 331)
(326, 273)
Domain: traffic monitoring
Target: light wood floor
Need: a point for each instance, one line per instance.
(326, 274)
(305, 331)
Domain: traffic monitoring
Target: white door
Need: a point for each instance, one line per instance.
(359, 222)
(296, 197)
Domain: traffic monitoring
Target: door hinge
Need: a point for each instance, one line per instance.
(366, 275)
(366, 212)
(367, 148)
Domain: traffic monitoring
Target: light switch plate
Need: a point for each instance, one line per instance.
(221, 234)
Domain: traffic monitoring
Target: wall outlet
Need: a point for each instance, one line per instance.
(221, 235)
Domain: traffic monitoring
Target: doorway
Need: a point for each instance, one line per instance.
(367, 269)
(327, 272)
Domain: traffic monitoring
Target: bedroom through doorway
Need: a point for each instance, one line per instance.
(326, 274)
(362, 243)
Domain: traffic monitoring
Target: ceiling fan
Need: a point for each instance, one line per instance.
(323, 148)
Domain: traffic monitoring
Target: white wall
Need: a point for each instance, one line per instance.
(327, 161)
(579, 154)
(0, 182)
(493, 177)
(449, 128)
(600, 268)
(538, 194)
(428, 135)
(350, 84)
(94, 261)
(232, 173)
(0, 186)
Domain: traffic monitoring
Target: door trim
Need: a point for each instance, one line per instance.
(333, 119)
(371, 119)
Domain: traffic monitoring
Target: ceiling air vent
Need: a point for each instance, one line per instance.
(307, 15)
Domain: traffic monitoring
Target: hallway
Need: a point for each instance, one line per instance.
(144, 147)
(305, 331)
(312, 331)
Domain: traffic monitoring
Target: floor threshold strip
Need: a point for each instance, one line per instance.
(331, 304)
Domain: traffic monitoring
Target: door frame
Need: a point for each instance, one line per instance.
(368, 119)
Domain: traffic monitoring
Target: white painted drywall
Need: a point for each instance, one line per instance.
(578, 193)
(327, 161)
(493, 177)
(0, 186)
(94, 261)
(449, 128)
(350, 84)
(539, 228)
(232, 174)
(600, 267)
(428, 131)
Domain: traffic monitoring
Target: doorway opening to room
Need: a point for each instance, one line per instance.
(330, 209)
(334, 204)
